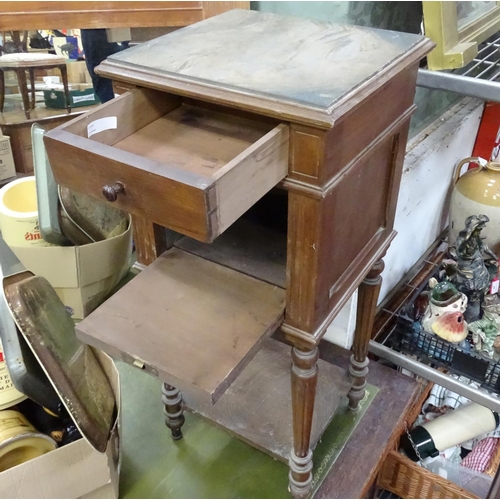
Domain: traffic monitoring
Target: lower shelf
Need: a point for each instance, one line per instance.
(257, 408)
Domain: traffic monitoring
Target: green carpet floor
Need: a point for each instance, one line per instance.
(207, 462)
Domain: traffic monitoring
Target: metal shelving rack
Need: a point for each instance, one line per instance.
(480, 78)
(429, 373)
(385, 331)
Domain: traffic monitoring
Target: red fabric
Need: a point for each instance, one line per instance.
(480, 456)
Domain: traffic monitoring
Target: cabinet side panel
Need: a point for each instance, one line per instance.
(344, 224)
(368, 120)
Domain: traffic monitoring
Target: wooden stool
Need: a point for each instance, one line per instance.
(22, 62)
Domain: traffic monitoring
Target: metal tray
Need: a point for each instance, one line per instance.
(71, 366)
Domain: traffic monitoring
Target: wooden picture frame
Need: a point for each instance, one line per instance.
(456, 45)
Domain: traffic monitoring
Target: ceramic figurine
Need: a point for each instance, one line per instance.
(472, 276)
(484, 333)
(491, 307)
(444, 298)
(450, 326)
(496, 347)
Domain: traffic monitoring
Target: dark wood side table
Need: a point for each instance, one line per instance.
(243, 102)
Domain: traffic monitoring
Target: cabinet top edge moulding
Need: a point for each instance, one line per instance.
(290, 68)
(36, 15)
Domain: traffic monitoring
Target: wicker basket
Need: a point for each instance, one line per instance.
(406, 479)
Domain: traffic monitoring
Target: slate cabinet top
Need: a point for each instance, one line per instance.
(262, 61)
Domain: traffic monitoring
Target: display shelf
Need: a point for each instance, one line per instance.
(386, 323)
(480, 78)
(429, 373)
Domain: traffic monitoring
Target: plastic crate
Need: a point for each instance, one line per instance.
(433, 350)
(78, 98)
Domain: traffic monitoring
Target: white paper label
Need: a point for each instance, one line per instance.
(108, 123)
(494, 286)
(82, 98)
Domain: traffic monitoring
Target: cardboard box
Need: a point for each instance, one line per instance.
(83, 276)
(75, 470)
(7, 167)
(77, 72)
(83, 95)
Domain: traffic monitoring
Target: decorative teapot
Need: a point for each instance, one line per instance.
(477, 192)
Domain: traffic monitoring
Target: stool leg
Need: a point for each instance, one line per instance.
(368, 293)
(2, 90)
(32, 84)
(64, 75)
(304, 380)
(174, 411)
(23, 87)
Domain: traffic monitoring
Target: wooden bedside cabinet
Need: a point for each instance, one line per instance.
(275, 146)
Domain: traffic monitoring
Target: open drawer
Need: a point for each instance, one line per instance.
(182, 166)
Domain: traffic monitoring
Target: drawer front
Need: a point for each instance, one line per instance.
(148, 194)
(189, 169)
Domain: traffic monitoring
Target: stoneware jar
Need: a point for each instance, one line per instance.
(477, 192)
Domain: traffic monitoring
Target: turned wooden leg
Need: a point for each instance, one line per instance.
(2, 90)
(304, 380)
(32, 85)
(23, 88)
(368, 293)
(174, 411)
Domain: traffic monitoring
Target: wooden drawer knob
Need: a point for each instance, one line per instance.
(111, 191)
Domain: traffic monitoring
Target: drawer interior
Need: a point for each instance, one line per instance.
(163, 128)
(196, 140)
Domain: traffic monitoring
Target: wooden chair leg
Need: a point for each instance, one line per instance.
(174, 411)
(64, 76)
(2, 90)
(304, 380)
(23, 88)
(368, 293)
(32, 85)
